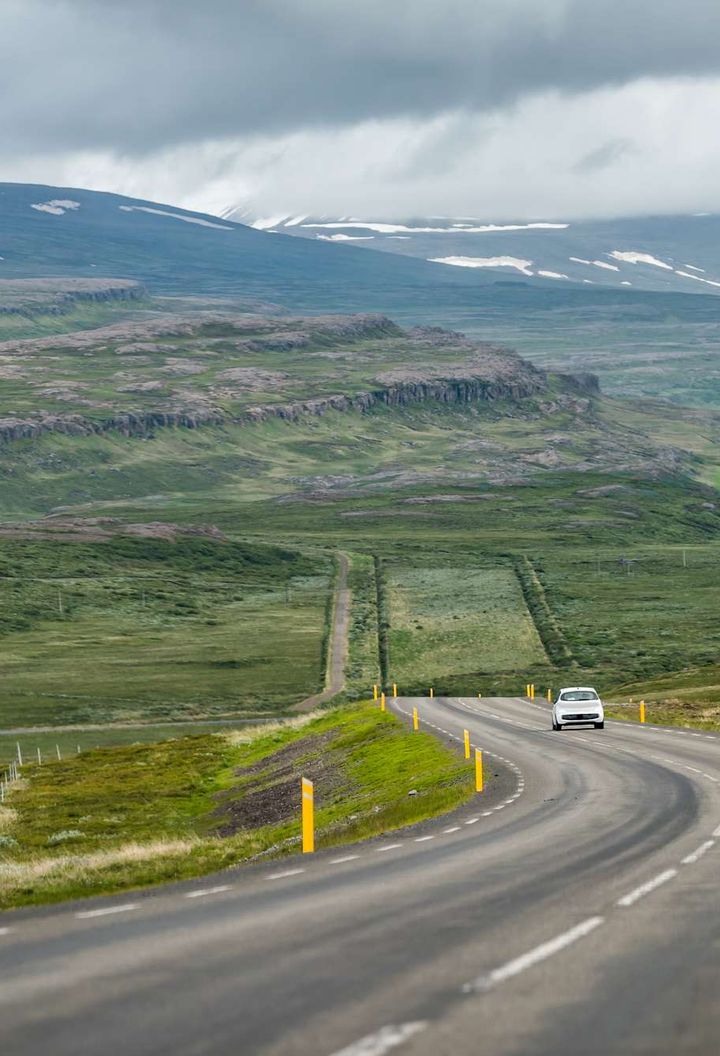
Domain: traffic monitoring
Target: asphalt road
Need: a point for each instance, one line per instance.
(572, 909)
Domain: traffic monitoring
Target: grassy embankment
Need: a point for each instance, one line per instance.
(82, 826)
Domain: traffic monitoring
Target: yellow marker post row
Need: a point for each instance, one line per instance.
(466, 738)
(416, 721)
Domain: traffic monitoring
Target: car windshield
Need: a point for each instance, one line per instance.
(579, 694)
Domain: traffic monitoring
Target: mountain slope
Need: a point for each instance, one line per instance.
(51, 231)
(667, 253)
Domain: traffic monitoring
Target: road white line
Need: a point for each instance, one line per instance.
(690, 859)
(486, 814)
(4, 931)
(208, 891)
(86, 914)
(533, 957)
(383, 1040)
(345, 858)
(286, 872)
(646, 888)
(717, 831)
(422, 839)
(453, 828)
(388, 847)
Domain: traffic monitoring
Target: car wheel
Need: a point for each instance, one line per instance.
(557, 726)
(599, 725)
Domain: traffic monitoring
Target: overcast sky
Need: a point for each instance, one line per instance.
(489, 108)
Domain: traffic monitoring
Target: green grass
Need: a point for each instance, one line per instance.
(457, 622)
(631, 613)
(690, 697)
(82, 826)
(68, 740)
(363, 668)
(128, 630)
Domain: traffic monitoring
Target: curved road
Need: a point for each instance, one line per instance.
(573, 908)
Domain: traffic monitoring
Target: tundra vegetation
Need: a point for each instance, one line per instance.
(171, 518)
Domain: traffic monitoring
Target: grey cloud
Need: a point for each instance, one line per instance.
(135, 77)
(604, 156)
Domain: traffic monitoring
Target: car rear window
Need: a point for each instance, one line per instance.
(580, 694)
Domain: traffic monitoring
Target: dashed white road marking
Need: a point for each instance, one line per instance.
(645, 889)
(284, 873)
(532, 957)
(690, 859)
(383, 1040)
(345, 858)
(388, 847)
(86, 914)
(453, 828)
(471, 821)
(422, 839)
(4, 931)
(717, 831)
(486, 814)
(208, 891)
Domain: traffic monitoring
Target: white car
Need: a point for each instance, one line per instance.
(578, 706)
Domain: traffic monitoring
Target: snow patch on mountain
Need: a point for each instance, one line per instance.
(340, 237)
(698, 278)
(465, 229)
(56, 206)
(175, 216)
(693, 268)
(486, 262)
(639, 258)
(553, 274)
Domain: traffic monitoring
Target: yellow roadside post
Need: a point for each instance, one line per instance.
(382, 701)
(395, 689)
(375, 692)
(466, 739)
(478, 771)
(432, 692)
(527, 690)
(549, 696)
(532, 691)
(479, 696)
(308, 816)
(416, 724)
(642, 711)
